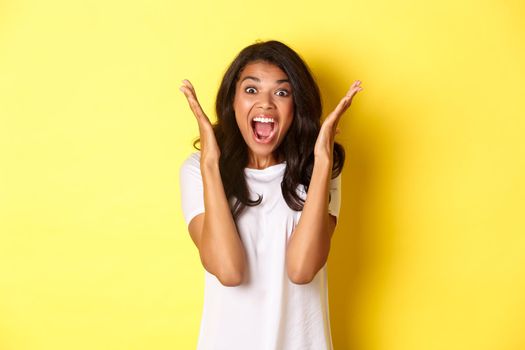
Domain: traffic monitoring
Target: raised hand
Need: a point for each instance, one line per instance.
(210, 151)
(325, 140)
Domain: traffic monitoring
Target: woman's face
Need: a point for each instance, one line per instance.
(264, 110)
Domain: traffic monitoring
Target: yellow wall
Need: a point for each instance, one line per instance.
(94, 254)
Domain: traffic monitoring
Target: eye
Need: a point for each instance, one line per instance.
(282, 93)
(250, 90)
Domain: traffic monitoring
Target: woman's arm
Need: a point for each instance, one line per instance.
(309, 244)
(214, 232)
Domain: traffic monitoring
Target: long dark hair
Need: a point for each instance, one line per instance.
(297, 147)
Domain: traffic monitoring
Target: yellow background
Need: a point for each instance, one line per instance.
(94, 253)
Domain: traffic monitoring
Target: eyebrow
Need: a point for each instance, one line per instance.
(280, 81)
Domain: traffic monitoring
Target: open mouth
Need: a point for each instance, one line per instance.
(263, 129)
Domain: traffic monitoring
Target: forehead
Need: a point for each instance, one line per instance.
(263, 70)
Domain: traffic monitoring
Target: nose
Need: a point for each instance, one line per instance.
(266, 100)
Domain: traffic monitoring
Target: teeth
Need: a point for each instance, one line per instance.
(263, 120)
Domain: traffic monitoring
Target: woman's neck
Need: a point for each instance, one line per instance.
(262, 162)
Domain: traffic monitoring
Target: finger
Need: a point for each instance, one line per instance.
(187, 83)
(339, 110)
(332, 119)
(192, 100)
(352, 91)
(189, 90)
(343, 104)
(194, 103)
(355, 88)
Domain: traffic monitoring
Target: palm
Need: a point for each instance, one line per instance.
(209, 148)
(325, 139)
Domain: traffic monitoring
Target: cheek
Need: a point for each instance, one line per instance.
(237, 110)
(240, 124)
(240, 118)
(287, 124)
(290, 116)
(241, 108)
(289, 108)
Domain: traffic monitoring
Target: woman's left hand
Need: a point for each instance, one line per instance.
(325, 140)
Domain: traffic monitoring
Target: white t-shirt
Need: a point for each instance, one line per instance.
(267, 311)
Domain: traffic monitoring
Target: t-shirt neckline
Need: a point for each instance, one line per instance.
(272, 169)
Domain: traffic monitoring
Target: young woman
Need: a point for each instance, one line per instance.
(261, 201)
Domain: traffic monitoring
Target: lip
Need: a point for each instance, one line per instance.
(270, 138)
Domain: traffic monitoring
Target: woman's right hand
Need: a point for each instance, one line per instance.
(210, 151)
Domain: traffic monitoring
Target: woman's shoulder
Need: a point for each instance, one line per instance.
(192, 161)
(194, 157)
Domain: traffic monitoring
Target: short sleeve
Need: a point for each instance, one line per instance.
(335, 196)
(192, 197)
